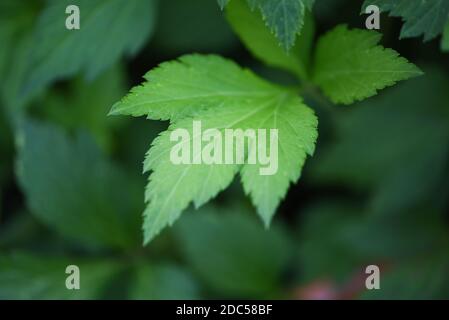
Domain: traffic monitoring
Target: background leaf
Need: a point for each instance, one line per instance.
(162, 282)
(60, 53)
(75, 190)
(85, 105)
(240, 259)
(426, 18)
(16, 21)
(30, 276)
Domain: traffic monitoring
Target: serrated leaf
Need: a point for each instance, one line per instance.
(284, 18)
(59, 52)
(232, 253)
(249, 26)
(74, 190)
(351, 66)
(421, 17)
(226, 97)
(180, 88)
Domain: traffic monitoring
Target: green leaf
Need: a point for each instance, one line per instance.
(161, 282)
(73, 189)
(350, 66)
(30, 276)
(223, 96)
(60, 53)
(426, 18)
(284, 18)
(233, 254)
(181, 88)
(249, 26)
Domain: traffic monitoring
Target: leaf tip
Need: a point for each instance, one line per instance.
(115, 109)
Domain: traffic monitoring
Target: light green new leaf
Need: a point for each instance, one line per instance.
(249, 26)
(284, 18)
(108, 31)
(422, 17)
(74, 190)
(188, 85)
(351, 66)
(227, 97)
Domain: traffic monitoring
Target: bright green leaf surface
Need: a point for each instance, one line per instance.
(188, 85)
(236, 99)
(351, 66)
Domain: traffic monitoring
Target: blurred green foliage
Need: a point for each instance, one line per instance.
(71, 190)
